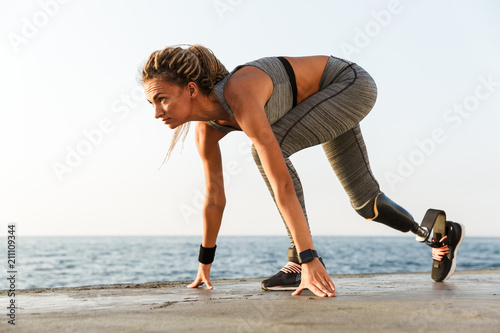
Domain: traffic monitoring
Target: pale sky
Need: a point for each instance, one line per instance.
(81, 149)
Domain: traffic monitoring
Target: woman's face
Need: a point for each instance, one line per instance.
(171, 102)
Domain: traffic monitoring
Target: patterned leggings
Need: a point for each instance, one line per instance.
(331, 118)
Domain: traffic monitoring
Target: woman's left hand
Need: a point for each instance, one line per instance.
(316, 279)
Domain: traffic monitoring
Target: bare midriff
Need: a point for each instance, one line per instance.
(308, 72)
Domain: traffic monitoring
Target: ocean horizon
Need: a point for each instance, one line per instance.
(72, 261)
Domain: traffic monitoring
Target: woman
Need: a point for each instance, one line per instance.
(283, 104)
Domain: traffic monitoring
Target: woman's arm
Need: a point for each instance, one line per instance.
(247, 94)
(207, 142)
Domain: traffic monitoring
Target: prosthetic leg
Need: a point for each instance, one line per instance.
(446, 239)
(391, 214)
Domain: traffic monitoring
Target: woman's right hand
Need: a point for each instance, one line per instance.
(202, 277)
(316, 279)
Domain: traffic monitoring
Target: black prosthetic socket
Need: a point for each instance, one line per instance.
(391, 214)
(292, 255)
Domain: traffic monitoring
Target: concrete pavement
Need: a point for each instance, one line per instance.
(468, 302)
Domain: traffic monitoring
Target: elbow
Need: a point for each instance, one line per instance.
(215, 196)
(285, 192)
(218, 202)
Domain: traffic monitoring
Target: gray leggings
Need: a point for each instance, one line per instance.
(331, 118)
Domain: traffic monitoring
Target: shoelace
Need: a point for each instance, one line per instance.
(439, 252)
(291, 267)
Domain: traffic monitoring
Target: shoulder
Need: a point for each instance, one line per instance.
(248, 83)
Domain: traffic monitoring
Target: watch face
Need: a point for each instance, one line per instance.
(307, 255)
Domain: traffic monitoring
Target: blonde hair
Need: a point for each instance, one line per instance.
(179, 65)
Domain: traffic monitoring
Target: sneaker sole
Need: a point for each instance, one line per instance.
(454, 263)
(278, 288)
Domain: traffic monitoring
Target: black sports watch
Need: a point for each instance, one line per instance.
(308, 255)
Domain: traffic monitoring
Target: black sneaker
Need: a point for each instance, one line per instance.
(444, 251)
(288, 278)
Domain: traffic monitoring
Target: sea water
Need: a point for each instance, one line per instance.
(48, 262)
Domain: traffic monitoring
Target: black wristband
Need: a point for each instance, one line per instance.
(207, 254)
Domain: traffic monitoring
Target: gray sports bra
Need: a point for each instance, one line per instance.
(284, 95)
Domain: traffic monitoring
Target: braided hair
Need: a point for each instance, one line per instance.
(180, 65)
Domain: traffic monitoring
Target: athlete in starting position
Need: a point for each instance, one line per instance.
(283, 104)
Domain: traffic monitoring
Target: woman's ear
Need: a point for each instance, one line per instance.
(192, 89)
